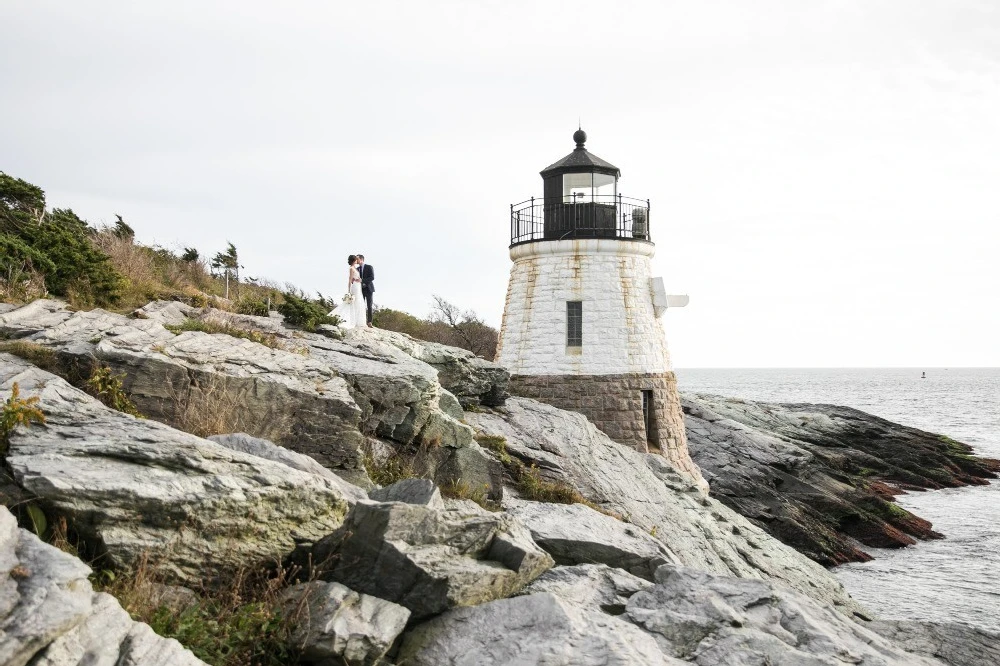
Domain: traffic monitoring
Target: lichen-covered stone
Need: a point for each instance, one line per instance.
(132, 487)
(51, 616)
(334, 624)
(577, 534)
(427, 559)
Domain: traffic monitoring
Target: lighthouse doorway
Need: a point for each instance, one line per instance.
(647, 418)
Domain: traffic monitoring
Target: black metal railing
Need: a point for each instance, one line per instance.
(588, 216)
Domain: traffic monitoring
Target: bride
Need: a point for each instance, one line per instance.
(352, 310)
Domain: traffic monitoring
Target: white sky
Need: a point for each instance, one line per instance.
(824, 175)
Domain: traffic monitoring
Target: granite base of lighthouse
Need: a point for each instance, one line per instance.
(613, 403)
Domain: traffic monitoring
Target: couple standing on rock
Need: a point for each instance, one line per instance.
(353, 312)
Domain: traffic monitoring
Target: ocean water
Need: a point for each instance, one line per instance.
(955, 579)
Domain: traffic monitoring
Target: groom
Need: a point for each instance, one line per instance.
(367, 285)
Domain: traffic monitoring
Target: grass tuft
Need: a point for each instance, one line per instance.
(260, 337)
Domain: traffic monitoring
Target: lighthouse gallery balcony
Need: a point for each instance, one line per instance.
(580, 215)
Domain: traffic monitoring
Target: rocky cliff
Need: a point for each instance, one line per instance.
(821, 478)
(579, 550)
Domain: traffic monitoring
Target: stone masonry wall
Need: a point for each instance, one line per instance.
(613, 403)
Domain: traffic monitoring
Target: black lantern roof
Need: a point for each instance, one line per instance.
(580, 161)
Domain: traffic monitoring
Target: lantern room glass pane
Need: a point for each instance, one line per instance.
(578, 187)
(604, 187)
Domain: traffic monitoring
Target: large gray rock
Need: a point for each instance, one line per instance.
(954, 644)
(33, 318)
(820, 477)
(535, 629)
(473, 380)
(643, 488)
(576, 534)
(430, 560)
(51, 616)
(410, 491)
(334, 624)
(718, 621)
(590, 587)
(262, 448)
(130, 486)
(311, 394)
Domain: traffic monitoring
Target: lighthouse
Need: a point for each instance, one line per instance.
(582, 320)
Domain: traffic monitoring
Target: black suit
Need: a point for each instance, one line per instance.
(368, 287)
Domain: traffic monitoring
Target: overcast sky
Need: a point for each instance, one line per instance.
(824, 175)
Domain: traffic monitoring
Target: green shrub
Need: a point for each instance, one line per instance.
(242, 624)
(252, 305)
(107, 387)
(17, 411)
(306, 313)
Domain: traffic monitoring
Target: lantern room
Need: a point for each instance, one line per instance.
(580, 200)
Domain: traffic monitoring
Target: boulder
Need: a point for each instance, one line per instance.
(819, 477)
(954, 644)
(422, 492)
(590, 587)
(33, 318)
(132, 487)
(51, 616)
(577, 534)
(473, 380)
(535, 629)
(334, 624)
(168, 313)
(427, 559)
(648, 492)
(716, 620)
(262, 448)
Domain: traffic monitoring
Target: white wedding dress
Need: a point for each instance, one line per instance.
(353, 315)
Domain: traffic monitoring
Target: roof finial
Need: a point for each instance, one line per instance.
(580, 137)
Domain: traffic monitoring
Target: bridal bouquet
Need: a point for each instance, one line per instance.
(348, 298)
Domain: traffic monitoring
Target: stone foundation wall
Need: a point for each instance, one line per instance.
(613, 403)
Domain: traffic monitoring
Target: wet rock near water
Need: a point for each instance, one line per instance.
(646, 491)
(821, 477)
(954, 644)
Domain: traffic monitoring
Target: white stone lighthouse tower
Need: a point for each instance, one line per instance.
(581, 326)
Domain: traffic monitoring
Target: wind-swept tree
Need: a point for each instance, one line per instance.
(228, 263)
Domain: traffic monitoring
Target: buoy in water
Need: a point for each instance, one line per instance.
(923, 375)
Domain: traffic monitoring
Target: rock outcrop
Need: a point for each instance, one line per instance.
(334, 624)
(577, 534)
(954, 644)
(821, 477)
(642, 488)
(535, 629)
(51, 616)
(307, 392)
(590, 615)
(132, 487)
(428, 559)
(709, 619)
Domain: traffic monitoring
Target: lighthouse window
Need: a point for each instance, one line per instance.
(578, 187)
(574, 323)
